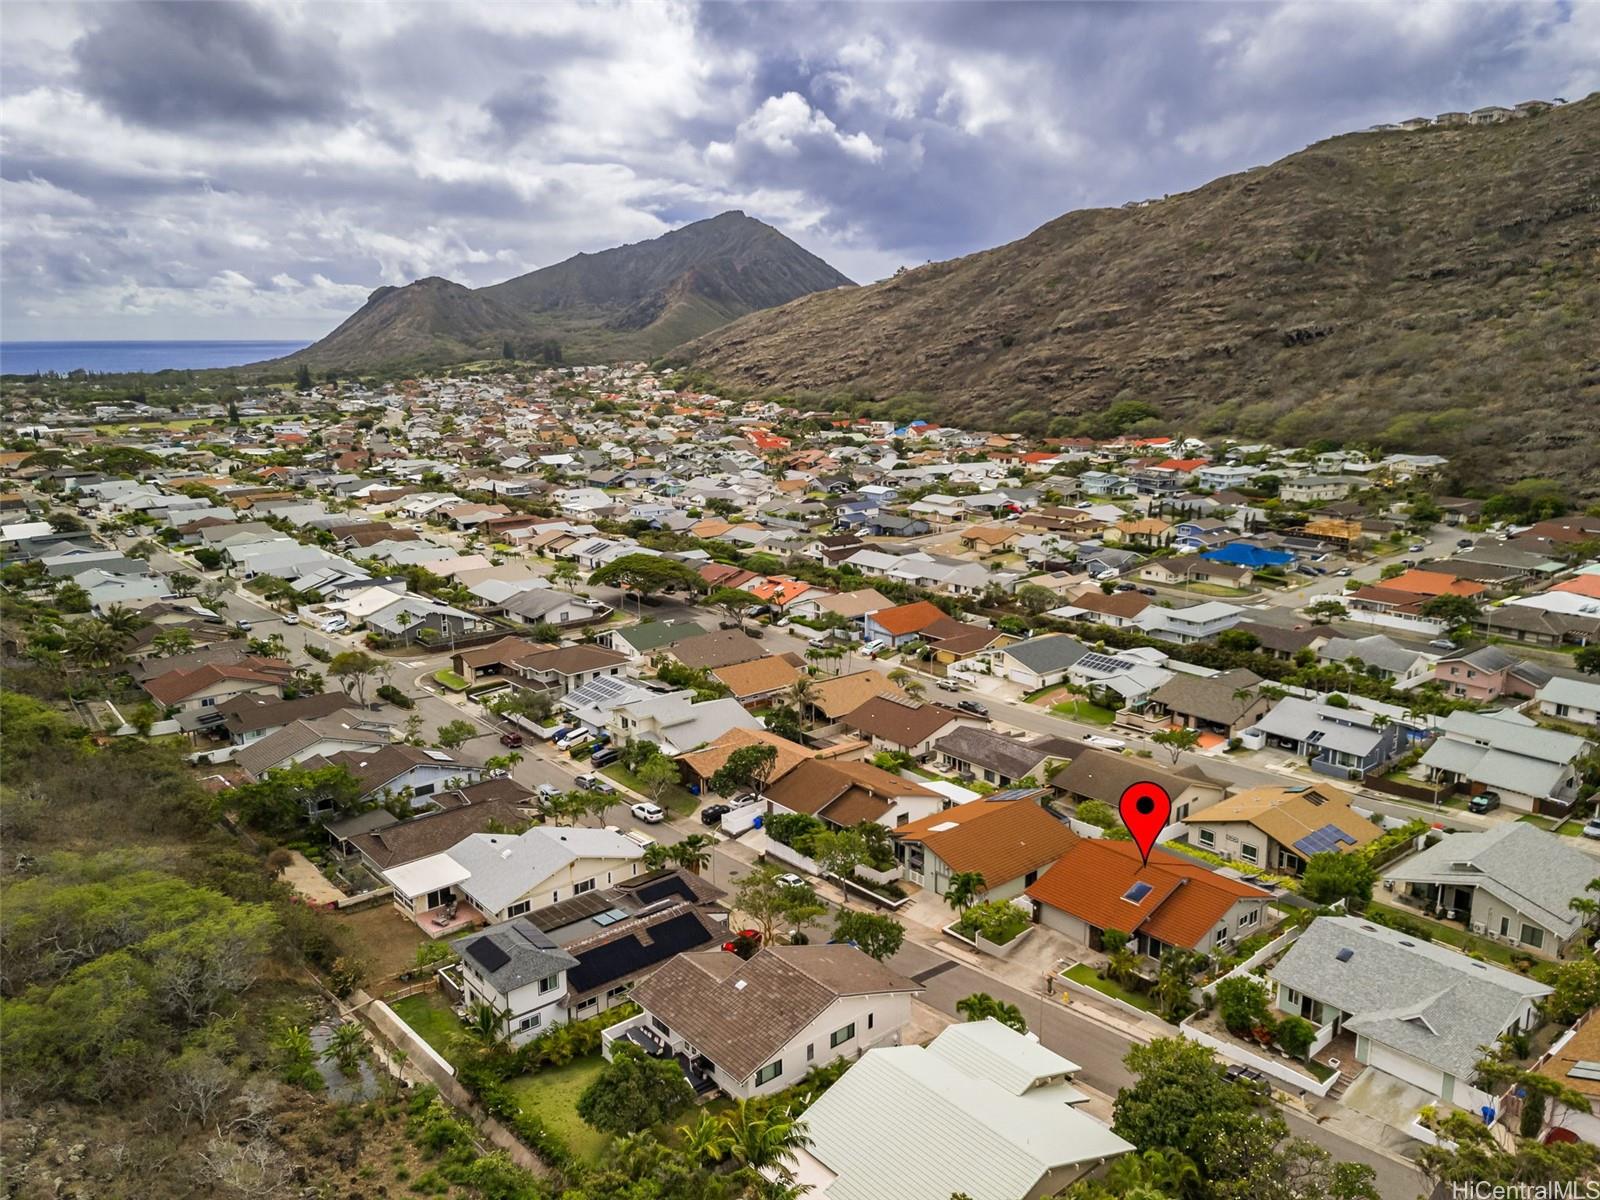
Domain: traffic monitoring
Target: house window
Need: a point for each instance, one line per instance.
(1532, 935)
(1246, 919)
(589, 1003)
(549, 983)
(529, 1022)
(769, 1072)
(620, 990)
(869, 1020)
(517, 909)
(842, 1035)
(586, 886)
(1291, 996)
(1221, 937)
(209, 702)
(811, 1051)
(661, 1026)
(1249, 853)
(1208, 837)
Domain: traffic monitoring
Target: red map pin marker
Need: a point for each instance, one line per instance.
(1144, 809)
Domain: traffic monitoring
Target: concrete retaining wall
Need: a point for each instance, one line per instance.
(1275, 1068)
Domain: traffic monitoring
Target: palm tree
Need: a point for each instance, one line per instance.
(484, 1027)
(964, 888)
(92, 644)
(1175, 980)
(1164, 1172)
(693, 853)
(347, 1047)
(800, 696)
(980, 1006)
(754, 1139)
(121, 620)
(657, 856)
(702, 1141)
(1122, 964)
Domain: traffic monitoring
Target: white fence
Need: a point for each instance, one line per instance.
(792, 857)
(1417, 625)
(739, 820)
(1276, 1068)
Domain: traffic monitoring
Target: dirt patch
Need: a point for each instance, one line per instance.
(302, 875)
(384, 939)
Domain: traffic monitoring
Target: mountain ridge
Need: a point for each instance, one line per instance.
(629, 301)
(1419, 290)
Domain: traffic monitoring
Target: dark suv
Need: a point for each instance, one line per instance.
(1484, 802)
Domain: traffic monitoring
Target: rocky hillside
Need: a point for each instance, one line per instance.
(632, 301)
(1435, 290)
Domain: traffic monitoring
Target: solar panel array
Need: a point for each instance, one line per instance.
(487, 954)
(1329, 837)
(1584, 1070)
(616, 960)
(610, 917)
(673, 885)
(603, 687)
(1105, 662)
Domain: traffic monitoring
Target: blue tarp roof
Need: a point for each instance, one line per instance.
(1243, 554)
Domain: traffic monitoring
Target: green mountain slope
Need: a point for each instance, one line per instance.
(1436, 290)
(632, 301)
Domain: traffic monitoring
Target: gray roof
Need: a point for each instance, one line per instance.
(985, 748)
(1531, 871)
(1580, 693)
(503, 867)
(1211, 698)
(1047, 654)
(1376, 651)
(1421, 999)
(651, 635)
(527, 955)
(1346, 729)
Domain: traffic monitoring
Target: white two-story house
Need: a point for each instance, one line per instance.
(517, 971)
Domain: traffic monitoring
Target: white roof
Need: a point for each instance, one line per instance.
(426, 875)
(909, 1123)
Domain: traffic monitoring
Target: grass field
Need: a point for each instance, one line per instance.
(678, 801)
(1083, 710)
(1085, 974)
(552, 1095)
(431, 1019)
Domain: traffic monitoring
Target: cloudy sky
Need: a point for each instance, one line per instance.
(199, 170)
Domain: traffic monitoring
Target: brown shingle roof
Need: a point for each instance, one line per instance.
(1288, 814)
(176, 686)
(1001, 841)
(784, 989)
(720, 648)
(571, 660)
(900, 722)
(708, 760)
(757, 677)
(436, 832)
(839, 694)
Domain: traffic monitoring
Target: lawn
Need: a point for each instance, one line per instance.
(552, 1095)
(1451, 936)
(451, 680)
(1083, 710)
(1085, 974)
(1568, 828)
(678, 801)
(431, 1019)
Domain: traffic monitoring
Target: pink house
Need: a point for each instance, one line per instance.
(1488, 673)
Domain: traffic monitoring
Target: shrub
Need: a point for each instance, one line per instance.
(794, 830)
(1295, 1035)
(1242, 1004)
(395, 696)
(997, 920)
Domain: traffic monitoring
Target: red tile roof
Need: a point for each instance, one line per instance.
(1185, 900)
(908, 618)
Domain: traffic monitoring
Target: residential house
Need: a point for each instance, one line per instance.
(1380, 656)
(855, 604)
(485, 805)
(1315, 489)
(720, 648)
(977, 752)
(303, 739)
(547, 606)
(904, 725)
(1419, 1011)
(1488, 673)
(1570, 1061)
(1010, 844)
(1217, 704)
(193, 696)
(672, 721)
(832, 696)
(1345, 743)
(1193, 624)
(1178, 572)
(755, 1027)
(982, 1111)
(1277, 642)
(518, 973)
(1038, 662)
(399, 770)
(1120, 610)
(494, 877)
(700, 765)
(902, 624)
(249, 718)
(1575, 700)
(1103, 776)
(641, 641)
(1100, 884)
(845, 794)
(759, 680)
(563, 669)
(413, 616)
(1531, 769)
(1279, 828)
(1511, 883)
(495, 659)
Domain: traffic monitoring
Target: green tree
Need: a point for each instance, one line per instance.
(1469, 1154)
(647, 574)
(1454, 611)
(760, 896)
(1331, 876)
(746, 769)
(1242, 1002)
(756, 1138)
(634, 1092)
(839, 853)
(1587, 660)
(302, 379)
(1175, 981)
(1576, 987)
(452, 734)
(657, 775)
(1035, 599)
(353, 668)
(693, 853)
(980, 1006)
(286, 797)
(565, 573)
(347, 1047)
(876, 935)
(1176, 742)
(731, 601)
(963, 889)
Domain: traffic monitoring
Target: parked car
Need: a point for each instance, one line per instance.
(1444, 644)
(790, 879)
(290, 619)
(948, 685)
(1416, 547)
(1127, 587)
(1147, 591)
(243, 626)
(1105, 743)
(1591, 828)
(972, 706)
(593, 783)
(650, 814)
(513, 740)
(548, 791)
(875, 648)
(1342, 571)
(712, 814)
(1484, 802)
(744, 798)
(1464, 544)
(604, 757)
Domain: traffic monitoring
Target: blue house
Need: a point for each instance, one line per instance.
(1244, 554)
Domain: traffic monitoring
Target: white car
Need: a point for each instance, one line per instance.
(650, 814)
(742, 799)
(290, 619)
(792, 880)
(1105, 743)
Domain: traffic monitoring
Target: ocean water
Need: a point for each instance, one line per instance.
(24, 358)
